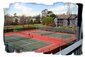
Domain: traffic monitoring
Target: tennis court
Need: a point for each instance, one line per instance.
(51, 34)
(25, 44)
(38, 40)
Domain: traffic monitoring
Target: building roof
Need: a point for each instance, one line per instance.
(63, 16)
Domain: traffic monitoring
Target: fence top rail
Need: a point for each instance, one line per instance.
(70, 48)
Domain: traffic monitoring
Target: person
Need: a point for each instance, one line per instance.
(28, 34)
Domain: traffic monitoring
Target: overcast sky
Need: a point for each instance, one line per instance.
(32, 9)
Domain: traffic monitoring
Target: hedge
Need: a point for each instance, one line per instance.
(42, 27)
(60, 29)
(17, 28)
(66, 29)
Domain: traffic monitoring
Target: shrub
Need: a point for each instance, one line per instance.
(66, 29)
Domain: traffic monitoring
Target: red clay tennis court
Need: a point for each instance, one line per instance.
(39, 40)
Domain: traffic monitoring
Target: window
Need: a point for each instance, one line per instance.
(60, 22)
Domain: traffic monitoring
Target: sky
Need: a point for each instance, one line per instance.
(33, 9)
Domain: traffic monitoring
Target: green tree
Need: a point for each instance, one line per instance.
(53, 15)
(16, 21)
(37, 19)
(48, 21)
(23, 20)
(8, 20)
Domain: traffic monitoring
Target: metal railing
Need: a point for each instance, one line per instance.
(71, 48)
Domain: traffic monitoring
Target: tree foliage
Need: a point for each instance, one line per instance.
(37, 19)
(53, 15)
(49, 21)
(8, 20)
